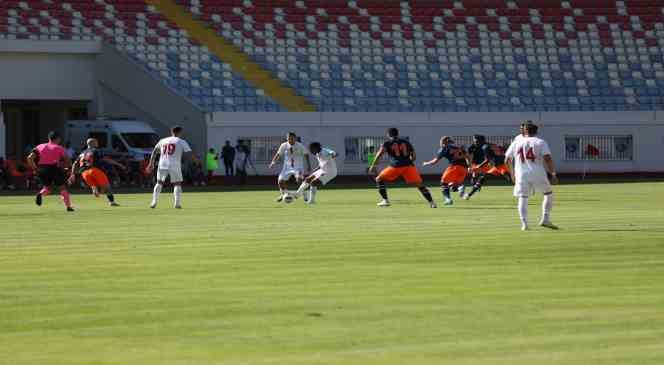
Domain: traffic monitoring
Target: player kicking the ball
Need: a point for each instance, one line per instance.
(92, 164)
(294, 154)
(326, 171)
(532, 160)
(457, 170)
(171, 150)
(402, 158)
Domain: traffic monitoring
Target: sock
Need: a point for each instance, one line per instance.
(304, 186)
(66, 198)
(177, 192)
(312, 194)
(156, 192)
(382, 190)
(523, 209)
(45, 191)
(547, 205)
(110, 197)
(477, 186)
(446, 191)
(426, 193)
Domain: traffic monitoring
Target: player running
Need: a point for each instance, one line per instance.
(46, 160)
(326, 171)
(457, 170)
(493, 164)
(532, 160)
(92, 165)
(171, 150)
(294, 154)
(477, 157)
(402, 158)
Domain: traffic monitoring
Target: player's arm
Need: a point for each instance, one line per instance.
(32, 160)
(432, 161)
(413, 155)
(277, 155)
(153, 156)
(550, 168)
(469, 162)
(306, 158)
(72, 174)
(509, 162)
(380, 154)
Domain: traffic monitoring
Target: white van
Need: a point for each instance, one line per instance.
(131, 139)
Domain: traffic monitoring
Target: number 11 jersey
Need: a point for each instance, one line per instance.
(171, 149)
(399, 151)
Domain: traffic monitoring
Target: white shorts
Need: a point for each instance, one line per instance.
(324, 176)
(286, 173)
(528, 186)
(175, 174)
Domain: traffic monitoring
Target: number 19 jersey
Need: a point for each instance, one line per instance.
(171, 149)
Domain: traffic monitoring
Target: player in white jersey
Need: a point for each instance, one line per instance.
(531, 158)
(294, 155)
(170, 150)
(326, 171)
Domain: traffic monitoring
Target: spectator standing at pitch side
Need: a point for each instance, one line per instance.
(228, 155)
(211, 163)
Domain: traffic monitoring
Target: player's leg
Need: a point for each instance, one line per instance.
(522, 206)
(103, 185)
(176, 180)
(413, 177)
(446, 183)
(161, 179)
(282, 182)
(522, 191)
(543, 186)
(43, 174)
(306, 184)
(388, 174)
(477, 186)
(547, 206)
(59, 180)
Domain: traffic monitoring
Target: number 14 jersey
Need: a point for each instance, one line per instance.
(528, 155)
(171, 149)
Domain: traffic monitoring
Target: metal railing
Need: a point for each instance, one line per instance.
(599, 148)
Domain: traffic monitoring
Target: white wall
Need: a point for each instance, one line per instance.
(40, 76)
(425, 130)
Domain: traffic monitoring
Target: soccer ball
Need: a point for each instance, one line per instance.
(288, 198)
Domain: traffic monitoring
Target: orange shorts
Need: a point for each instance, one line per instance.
(94, 177)
(455, 175)
(499, 170)
(409, 174)
(482, 170)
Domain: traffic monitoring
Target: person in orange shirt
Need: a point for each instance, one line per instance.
(91, 164)
(455, 174)
(402, 157)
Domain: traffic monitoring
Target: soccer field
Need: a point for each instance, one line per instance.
(235, 278)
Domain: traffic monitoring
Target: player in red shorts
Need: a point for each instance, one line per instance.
(457, 170)
(91, 164)
(402, 157)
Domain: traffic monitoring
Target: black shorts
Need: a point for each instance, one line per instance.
(51, 175)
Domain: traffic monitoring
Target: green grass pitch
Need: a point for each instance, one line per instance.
(235, 278)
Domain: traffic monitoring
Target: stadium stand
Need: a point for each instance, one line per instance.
(382, 55)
